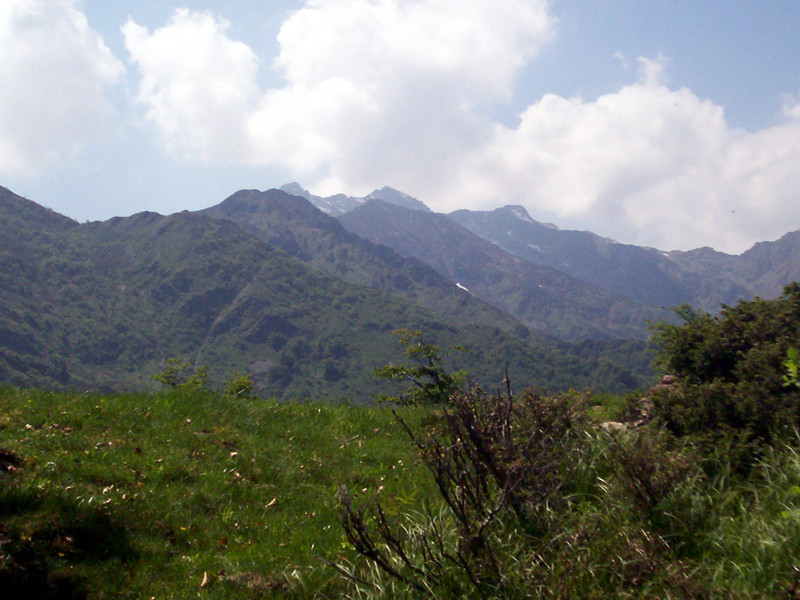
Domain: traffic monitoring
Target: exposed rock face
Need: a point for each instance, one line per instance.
(339, 204)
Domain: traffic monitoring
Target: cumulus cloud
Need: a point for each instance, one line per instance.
(403, 93)
(55, 71)
(647, 164)
(475, 46)
(374, 89)
(197, 83)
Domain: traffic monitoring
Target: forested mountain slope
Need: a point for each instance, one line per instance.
(702, 277)
(102, 305)
(539, 296)
(294, 225)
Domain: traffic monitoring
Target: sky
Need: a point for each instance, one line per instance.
(669, 123)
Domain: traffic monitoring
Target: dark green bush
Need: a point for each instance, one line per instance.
(732, 372)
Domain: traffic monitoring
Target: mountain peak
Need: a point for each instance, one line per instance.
(339, 204)
(295, 189)
(521, 213)
(397, 197)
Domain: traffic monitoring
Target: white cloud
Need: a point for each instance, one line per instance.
(652, 71)
(791, 107)
(403, 93)
(474, 45)
(54, 71)
(197, 84)
(375, 89)
(648, 165)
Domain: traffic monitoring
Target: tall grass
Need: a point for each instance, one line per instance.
(752, 543)
(639, 514)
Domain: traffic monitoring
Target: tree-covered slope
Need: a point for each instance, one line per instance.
(294, 225)
(539, 296)
(102, 305)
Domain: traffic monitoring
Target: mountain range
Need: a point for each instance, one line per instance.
(703, 277)
(102, 305)
(302, 293)
(340, 203)
(539, 296)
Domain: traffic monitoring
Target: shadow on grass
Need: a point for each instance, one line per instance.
(44, 536)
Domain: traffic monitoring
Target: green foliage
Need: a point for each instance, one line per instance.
(137, 288)
(733, 370)
(179, 374)
(536, 502)
(792, 366)
(153, 495)
(240, 386)
(430, 382)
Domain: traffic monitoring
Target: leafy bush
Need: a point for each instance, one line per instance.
(732, 369)
(240, 386)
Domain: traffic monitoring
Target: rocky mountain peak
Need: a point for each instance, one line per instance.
(340, 203)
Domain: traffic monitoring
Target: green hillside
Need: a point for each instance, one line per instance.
(691, 491)
(102, 306)
(541, 297)
(294, 225)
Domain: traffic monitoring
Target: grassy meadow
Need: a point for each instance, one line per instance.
(141, 496)
(692, 491)
(191, 494)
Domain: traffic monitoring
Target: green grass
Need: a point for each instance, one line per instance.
(752, 542)
(143, 496)
(147, 496)
(605, 406)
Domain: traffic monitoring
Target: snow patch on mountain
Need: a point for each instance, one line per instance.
(521, 214)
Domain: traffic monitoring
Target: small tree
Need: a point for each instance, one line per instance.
(430, 382)
(240, 386)
(180, 374)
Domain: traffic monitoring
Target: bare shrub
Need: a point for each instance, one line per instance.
(498, 463)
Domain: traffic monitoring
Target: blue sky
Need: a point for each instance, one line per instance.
(674, 124)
